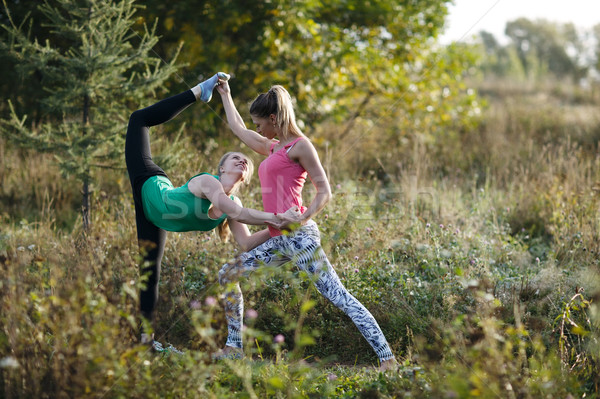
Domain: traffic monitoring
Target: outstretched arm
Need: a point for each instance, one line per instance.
(252, 139)
(206, 186)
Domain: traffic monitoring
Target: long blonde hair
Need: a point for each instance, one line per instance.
(277, 101)
(223, 230)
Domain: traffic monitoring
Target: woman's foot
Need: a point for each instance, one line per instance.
(155, 346)
(229, 352)
(207, 87)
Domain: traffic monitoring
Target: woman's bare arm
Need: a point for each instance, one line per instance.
(252, 139)
(242, 235)
(206, 186)
(306, 155)
(244, 238)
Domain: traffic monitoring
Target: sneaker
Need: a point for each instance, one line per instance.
(165, 350)
(231, 353)
(171, 349)
(157, 347)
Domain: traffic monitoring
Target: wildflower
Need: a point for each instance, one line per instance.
(331, 377)
(355, 270)
(368, 229)
(326, 216)
(427, 226)
(441, 226)
(356, 258)
(210, 301)
(279, 339)
(537, 260)
(457, 231)
(31, 247)
(195, 304)
(338, 186)
(251, 314)
(472, 261)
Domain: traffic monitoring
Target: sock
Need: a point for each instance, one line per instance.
(209, 85)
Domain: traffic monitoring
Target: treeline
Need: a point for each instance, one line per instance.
(539, 49)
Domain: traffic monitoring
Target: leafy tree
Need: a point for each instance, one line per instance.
(349, 64)
(90, 67)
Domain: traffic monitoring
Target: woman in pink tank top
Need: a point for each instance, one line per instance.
(290, 159)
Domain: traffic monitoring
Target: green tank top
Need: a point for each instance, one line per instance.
(176, 209)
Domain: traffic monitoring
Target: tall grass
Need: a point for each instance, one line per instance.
(481, 267)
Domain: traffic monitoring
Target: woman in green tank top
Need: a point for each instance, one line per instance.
(204, 203)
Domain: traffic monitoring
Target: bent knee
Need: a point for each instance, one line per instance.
(136, 116)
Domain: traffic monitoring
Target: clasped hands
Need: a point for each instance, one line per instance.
(288, 220)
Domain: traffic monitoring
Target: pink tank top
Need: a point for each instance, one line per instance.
(281, 180)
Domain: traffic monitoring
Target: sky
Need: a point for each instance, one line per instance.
(467, 17)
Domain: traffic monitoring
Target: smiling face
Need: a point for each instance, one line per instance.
(236, 163)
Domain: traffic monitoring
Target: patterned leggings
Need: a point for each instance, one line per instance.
(303, 247)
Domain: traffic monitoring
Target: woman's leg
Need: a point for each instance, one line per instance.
(138, 156)
(152, 246)
(140, 167)
(311, 258)
(268, 253)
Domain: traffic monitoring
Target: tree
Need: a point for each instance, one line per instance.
(555, 47)
(349, 64)
(91, 67)
(596, 50)
(10, 79)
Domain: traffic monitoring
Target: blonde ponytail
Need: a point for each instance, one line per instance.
(223, 231)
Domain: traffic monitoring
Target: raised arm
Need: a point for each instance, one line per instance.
(206, 186)
(252, 139)
(305, 154)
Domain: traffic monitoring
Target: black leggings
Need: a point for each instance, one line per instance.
(140, 168)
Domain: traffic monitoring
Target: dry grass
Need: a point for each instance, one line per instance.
(472, 261)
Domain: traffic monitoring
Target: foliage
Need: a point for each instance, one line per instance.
(353, 68)
(92, 66)
(482, 287)
(471, 235)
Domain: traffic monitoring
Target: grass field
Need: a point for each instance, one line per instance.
(479, 261)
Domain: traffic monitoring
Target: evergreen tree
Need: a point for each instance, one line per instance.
(92, 67)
